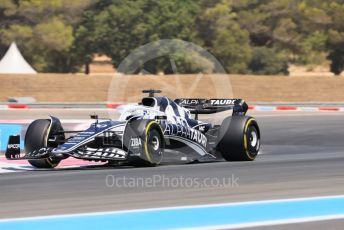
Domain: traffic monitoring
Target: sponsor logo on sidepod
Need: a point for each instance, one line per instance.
(135, 142)
(186, 132)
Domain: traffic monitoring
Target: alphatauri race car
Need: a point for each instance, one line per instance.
(152, 132)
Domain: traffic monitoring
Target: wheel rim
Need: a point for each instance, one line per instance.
(155, 143)
(155, 146)
(253, 138)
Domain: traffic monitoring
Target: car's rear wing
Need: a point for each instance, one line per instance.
(208, 106)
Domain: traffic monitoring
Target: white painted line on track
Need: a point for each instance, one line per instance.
(28, 121)
(10, 168)
(271, 223)
(176, 208)
(14, 166)
(298, 115)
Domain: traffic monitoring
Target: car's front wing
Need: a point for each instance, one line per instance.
(100, 154)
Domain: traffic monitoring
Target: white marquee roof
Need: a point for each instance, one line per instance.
(14, 62)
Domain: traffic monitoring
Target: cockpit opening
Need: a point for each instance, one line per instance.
(149, 101)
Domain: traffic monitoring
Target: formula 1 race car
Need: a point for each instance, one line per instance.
(154, 131)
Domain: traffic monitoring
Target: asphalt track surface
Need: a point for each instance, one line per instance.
(302, 155)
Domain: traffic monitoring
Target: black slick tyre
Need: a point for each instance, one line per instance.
(151, 143)
(36, 138)
(239, 138)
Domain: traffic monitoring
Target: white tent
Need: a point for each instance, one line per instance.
(13, 62)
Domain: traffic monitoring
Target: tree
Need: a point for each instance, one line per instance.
(118, 27)
(44, 30)
(297, 30)
(62, 35)
(7, 7)
(222, 35)
(85, 43)
(265, 61)
(335, 41)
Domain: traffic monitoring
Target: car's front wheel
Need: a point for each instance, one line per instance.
(153, 144)
(144, 142)
(36, 137)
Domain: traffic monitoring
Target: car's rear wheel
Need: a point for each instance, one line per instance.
(36, 137)
(239, 139)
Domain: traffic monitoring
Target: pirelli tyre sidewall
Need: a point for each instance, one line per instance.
(36, 137)
(144, 141)
(239, 138)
